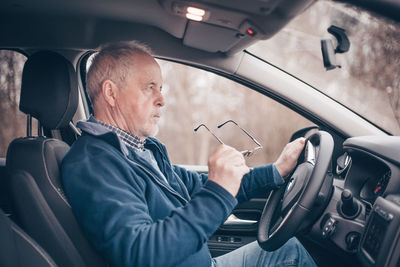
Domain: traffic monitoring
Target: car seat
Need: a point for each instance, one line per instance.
(49, 93)
(17, 249)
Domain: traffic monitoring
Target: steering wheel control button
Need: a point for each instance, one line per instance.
(329, 228)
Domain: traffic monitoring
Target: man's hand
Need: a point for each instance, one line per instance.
(226, 167)
(288, 158)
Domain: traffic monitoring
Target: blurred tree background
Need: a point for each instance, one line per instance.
(11, 64)
(368, 81)
(195, 96)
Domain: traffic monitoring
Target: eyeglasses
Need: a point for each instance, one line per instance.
(245, 153)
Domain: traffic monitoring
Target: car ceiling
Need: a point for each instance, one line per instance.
(86, 24)
(77, 24)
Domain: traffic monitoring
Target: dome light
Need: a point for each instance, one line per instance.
(194, 13)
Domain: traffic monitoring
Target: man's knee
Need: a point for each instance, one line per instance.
(298, 252)
(294, 243)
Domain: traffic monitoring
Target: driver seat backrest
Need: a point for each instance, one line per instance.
(49, 93)
(17, 249)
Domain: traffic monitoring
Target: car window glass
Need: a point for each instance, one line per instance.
(368, 81)
(13, 121)
(195, 96)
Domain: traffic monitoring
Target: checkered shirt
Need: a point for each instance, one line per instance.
(129, 140)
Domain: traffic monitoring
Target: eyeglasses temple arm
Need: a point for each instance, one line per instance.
(247, 133)
(216, 137)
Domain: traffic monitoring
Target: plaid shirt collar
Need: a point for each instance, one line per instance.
(129, 140)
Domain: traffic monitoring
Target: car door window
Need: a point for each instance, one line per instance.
(13, 121)
(195, 96)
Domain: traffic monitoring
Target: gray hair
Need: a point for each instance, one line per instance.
(112, 62)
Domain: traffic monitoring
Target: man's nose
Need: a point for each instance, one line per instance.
(160, 101)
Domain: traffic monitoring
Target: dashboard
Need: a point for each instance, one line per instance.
(362, 216)
(373, 176)
(374, 168)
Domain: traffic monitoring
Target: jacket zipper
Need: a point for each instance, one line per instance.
(158, 182)
(182, 184)
(178, 178)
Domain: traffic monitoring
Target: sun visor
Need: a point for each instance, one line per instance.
(195, 33)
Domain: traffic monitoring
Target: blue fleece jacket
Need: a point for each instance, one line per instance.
(136, 218)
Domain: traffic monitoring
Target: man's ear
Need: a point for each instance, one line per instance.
(109, 90)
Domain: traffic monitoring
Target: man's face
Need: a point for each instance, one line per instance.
(140, 101)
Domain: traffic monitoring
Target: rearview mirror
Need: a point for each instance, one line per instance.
(328, 54)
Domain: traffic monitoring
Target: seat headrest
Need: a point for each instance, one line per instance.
(49, 90)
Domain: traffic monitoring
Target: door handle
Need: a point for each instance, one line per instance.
(235, 221)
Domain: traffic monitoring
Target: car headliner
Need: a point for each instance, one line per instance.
(86, 24)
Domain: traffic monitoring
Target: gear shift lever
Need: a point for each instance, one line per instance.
(349, 205)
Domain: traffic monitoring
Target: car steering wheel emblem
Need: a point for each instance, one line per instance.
(290, 185)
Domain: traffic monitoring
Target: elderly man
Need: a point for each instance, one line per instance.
(135, 207)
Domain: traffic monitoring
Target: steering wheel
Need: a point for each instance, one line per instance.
(288, 207)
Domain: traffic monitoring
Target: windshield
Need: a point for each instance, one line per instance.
(368, 79)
